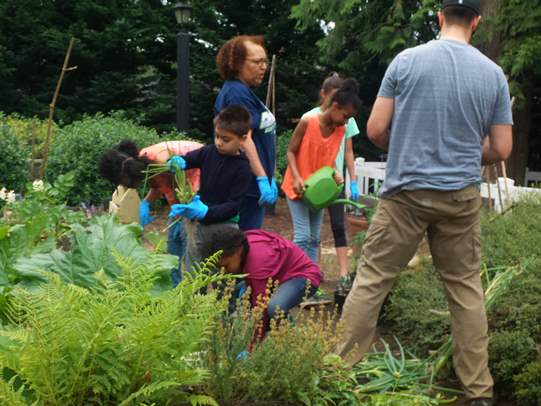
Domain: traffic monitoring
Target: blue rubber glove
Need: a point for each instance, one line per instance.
(176, 162)
(241, 356)
(274, 189)
(353, 188)
(195, 210)
(144, 213)
(267, 196)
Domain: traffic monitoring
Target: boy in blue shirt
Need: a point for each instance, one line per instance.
(225, 178)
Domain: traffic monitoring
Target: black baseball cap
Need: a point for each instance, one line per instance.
(475, 5)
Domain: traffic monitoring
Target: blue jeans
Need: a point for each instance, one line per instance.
(306, 227)
(176, 245)
(251, 214)
(288, 295)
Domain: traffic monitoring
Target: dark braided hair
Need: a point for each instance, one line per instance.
(123, 166)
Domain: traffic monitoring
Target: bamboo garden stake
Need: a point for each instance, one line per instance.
(52, 107)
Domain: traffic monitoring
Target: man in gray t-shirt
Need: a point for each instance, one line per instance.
(442, 110)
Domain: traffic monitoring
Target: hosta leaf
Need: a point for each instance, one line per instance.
(92, 251)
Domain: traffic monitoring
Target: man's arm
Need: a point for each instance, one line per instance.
(497, 146)
(379, 122)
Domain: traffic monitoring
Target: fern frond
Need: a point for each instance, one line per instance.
(146, 391)
(202, 400)
(10, 396)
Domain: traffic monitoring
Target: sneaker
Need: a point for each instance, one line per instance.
(482, 402)
(319, 298)
(344, 285)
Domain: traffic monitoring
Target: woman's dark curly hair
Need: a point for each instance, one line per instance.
(123, 166)
(232, 55)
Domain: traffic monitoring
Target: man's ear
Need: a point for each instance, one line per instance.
(475, 23)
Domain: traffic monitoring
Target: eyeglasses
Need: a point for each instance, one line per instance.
(259, 62)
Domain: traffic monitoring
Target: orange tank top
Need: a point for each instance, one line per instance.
(315, 152)
(164, 182)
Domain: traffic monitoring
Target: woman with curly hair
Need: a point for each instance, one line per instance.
(242, 63)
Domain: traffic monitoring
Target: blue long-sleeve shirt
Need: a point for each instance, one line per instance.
(224, 181)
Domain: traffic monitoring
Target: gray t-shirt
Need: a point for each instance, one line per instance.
(446, 95)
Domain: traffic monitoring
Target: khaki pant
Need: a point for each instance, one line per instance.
(451, 221)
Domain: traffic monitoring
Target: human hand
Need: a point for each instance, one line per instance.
(195, 210)
(353, 188)
(176, 162)
(265, 190)
(144, 213)
(338, 178)
(298, 186)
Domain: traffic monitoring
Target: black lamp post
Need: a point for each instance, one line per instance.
(183, 11)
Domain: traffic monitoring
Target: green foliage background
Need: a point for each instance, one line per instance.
(14, 168)
(79, 145)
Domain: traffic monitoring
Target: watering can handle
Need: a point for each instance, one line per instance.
(350, 202)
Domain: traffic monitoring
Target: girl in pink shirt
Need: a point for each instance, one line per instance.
(262, 256)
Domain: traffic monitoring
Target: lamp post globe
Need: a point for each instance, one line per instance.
(183, 12)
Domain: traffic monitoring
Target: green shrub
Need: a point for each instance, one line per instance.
(14, 170)
(282, 142)
(27, 128)
(519, 308)
(510, 352)
(417, 308)
(528, 385)
(281, 368)
(78, 146)
(510, 238)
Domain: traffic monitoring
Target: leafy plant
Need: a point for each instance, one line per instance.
(510, 352)
(282, 143)
(34, 224)
(78, 146)
(28, 130)
(528, 384)
(14, 170)
(116, 344)
(284, 367)
(92, 256)
(508, 239)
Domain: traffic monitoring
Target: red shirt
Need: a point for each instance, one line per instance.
(164, 182)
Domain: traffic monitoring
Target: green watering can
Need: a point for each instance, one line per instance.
(321, 190)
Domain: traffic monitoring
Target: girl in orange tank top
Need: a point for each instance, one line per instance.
(314, 144)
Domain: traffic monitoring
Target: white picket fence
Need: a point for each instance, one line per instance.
(370, 175)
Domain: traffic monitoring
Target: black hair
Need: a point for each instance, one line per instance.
(123, 166)
(458, 15)
(225, 238)
(333, 81)
(235, 119)
(348, 95)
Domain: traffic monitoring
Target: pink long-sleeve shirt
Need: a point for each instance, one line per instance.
(272, 256)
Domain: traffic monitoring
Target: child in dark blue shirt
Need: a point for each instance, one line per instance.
(225, 177)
